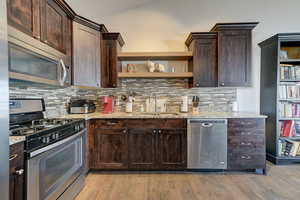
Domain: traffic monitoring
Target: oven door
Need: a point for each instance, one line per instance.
(53, 170)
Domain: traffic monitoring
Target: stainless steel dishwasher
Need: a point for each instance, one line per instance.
(207, 144)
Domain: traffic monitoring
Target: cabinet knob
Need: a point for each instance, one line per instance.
(20, 172)
(154, 131)
(37, 37)
(222, 84)
(159, 131)
(197, 85)
(125, 131)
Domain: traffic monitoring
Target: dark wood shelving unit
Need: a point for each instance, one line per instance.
(269, 94)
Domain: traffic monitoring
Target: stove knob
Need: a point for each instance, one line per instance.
(47, 140)
(57, 136)
(43, 140)
(53, 137)
(82, 125)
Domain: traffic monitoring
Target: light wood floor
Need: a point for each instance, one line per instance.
(281, 183)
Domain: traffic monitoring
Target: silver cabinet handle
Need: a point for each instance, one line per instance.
(124, 131)
(154, 131)
(20, 172)
(12, 157)
(63, 80)
(159, 131)
(246, 157)
(112, 123)
(246, 143)
(245, 133)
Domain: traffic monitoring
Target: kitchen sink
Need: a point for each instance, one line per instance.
(161, 114)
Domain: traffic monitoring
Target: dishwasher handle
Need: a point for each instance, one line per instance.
(207, 125)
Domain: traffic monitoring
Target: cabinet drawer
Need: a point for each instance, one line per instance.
(234, 131)
(242, 141)
(241, 124)
(109, 123)
(16, 156)
(156, 123)
(246, 160)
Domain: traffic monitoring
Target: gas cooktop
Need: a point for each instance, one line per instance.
(37, 126)
(43, 132)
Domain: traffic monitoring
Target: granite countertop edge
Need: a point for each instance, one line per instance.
(16, 139)
(205, 115)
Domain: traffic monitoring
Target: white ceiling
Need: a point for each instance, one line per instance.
(97, 9)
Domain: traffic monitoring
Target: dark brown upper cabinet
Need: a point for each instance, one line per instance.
(204, 62)
(24, 15)
(234, 53)
(86, 56)
(49, 21)
(55, 25)
(112, 44)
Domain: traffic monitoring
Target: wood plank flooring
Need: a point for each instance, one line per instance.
(281, 183)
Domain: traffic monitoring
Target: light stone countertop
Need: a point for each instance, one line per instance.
(205, 115)
(16, 139)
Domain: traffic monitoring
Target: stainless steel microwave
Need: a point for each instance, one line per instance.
(33, 61)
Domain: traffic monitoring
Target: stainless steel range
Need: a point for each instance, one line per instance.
(54, 151)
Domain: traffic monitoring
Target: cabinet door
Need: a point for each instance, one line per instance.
(86, 69)
(111, 65)
(142, 146)
(54, 25)
(109, 149)
(246, 144)
(24, 15)
(16, 172)
(234, 58)
(172, 149)
(205, 63)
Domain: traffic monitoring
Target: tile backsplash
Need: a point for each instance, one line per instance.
(211, 99)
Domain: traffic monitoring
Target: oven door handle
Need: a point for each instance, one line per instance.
(56, 144)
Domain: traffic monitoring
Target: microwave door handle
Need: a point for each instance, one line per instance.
(64, 70)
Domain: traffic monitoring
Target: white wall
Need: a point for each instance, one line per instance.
(164, 25)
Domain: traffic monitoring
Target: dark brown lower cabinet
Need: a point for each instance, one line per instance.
(16, 172)
(142, 148)
(172, 149)
(109, 149)
(138, 144)
(246, 144)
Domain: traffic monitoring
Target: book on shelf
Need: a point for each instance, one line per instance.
(289, 91)
(289, 72)
(289, 128)
(289, 110)
(289, 147)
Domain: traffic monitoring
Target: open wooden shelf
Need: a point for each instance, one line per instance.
(155, 75)
(131, 56)
(290, 61)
